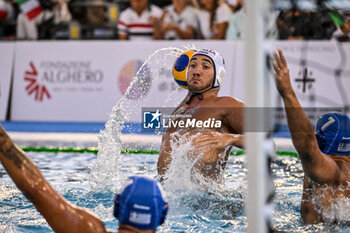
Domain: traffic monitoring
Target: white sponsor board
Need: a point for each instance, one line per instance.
(82, 80)
(6, 62)
(320, 75)
(319, 72)
(57, 81)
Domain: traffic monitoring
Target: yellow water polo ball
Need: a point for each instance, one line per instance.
(180, 68)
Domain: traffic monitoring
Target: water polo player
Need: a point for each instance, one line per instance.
(325, 157)
(140, 207)
(202, 72)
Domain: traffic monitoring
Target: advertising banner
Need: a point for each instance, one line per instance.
(319, 72)
(82, 81)
(57, 81)
(6, 62)
(320, 75)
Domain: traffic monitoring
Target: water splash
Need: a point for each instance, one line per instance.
(178, 175)
(190, 191)
(333, 204)
(106, 169)
(183, 172)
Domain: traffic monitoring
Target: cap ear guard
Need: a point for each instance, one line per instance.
(164, 213)
(220, 76)
(116, 206)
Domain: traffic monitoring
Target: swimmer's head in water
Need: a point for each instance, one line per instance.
(180, 67)
(141, 203)
(333, 134)
(218, 65)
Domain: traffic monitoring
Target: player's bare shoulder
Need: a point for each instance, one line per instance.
(343, 163)
(229, 102)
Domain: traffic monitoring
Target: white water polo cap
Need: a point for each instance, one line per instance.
(218, 62)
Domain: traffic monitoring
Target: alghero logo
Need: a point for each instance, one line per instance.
(49, 78)
(156, 120)
(33, 86)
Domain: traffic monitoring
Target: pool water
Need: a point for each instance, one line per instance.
(190, 210)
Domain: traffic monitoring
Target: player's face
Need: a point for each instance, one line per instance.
(139, 5)
(200, 74)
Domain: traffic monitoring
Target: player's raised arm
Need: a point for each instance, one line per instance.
(58, 212)
(319, 167)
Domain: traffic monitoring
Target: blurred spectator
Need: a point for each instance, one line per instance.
(193, 3)
(140, 21)
(213, 19)
(160, 3)
(96, 14)
(88, 12)
(59, 22)
(44, 14)
(308, 25)
(235, 28)
(342, 20)
(233, 4)
(7, 19)
(6, 11)
(346, 27)
(179, 21)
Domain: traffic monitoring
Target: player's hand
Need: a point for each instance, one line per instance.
(282, 73)
(214, 140)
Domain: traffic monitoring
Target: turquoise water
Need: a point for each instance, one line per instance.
(190, 210)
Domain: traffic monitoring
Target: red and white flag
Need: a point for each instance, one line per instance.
(31, 8)
(3, 10)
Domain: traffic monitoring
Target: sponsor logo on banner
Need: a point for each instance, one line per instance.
(33, 86)
(46, 78)
(140, 85)
(305, 79)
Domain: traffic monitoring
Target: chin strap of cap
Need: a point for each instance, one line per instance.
(200, 95)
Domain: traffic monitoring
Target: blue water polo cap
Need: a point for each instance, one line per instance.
(218, 62)
(333, 134)
(141, 203)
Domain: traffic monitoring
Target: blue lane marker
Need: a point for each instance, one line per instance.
(71, 127)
